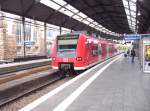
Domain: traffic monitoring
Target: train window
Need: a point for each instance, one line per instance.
(99, 50)
(66, 46)
(110, 48)
(69, 46)
(94, 50)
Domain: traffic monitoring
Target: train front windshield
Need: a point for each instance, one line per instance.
(67, 46)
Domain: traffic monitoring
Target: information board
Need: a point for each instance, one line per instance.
(131, 37)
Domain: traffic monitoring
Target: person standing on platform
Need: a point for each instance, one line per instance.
(128, 52)
(132, 55)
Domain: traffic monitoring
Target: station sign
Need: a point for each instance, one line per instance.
(130, 37)
(29, 43)
(145, 35)
(65, 37)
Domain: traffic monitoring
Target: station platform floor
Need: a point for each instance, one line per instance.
(115, 85)
(18, 66)
(23, 63)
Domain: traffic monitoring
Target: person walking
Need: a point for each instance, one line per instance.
(132, 55)
(128, 52)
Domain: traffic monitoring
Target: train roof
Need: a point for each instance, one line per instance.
(75, 33)
(102, 40)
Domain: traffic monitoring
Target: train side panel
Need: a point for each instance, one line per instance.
(53, 53)
(80, 52)
(80, 58)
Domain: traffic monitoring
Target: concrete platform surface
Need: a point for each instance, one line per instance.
(17, 66)
(117, 86)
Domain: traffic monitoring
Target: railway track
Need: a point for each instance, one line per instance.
(19, 74)
(17, 85)
(40, 79)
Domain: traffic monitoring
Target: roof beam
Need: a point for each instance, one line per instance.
(93, 8)
(2, 2)
(30, 7)
(144, 25)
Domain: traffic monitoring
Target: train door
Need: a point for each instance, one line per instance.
(99, 52)
(94, 53)
(110, 50)
(107, 51)
(104, 51)
(87, 54)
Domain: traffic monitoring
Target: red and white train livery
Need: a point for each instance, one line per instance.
(79, 51)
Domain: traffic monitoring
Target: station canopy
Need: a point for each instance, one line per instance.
(110, 18)
(143, 16)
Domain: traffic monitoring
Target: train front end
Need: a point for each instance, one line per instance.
(66, 54)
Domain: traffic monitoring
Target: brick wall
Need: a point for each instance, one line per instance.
(7, 44)
(2, 44)
(10, 47)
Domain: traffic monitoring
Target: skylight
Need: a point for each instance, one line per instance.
(60, 2)
(51, 4)
(67, 9)
(72, 8)
(82, 15)
(66, 12)
(85, 21)
(130, 9)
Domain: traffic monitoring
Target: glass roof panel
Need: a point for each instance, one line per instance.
(133, 14)
(125, 2)
(72, 8)
(61, 2)
(100, 25)
(82, 15)
(133, 8)
(52, 26)
(85, 21)
(127, 12)
(66, 29)
(50, 4)
(132, 3)
(90, 20)
(92, 25)
(67, 12)
(130, 9)
(77, 17)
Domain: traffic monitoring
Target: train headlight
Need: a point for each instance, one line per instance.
(54, 58)
(79, 58)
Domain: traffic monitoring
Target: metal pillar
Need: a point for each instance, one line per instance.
(60, 29)
(137, 11)
(45, 44)
(24, 37)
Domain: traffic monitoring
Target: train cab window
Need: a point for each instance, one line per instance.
(67, 43)
(66, 46)
(69, 46)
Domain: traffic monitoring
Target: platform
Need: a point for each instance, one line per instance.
(17, 66)
(115, 85)
(15, 88)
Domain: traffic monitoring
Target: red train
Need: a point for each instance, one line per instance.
(79, 51)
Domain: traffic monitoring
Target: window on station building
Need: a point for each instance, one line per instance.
(65, 30)
(27, 32)
(52, 31)
(19, 32)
